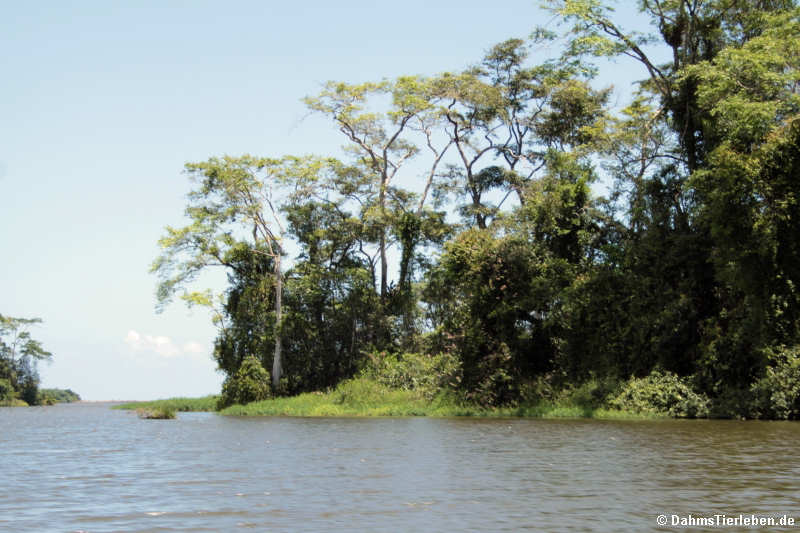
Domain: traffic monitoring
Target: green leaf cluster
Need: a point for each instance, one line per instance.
(493, 258)
(250, 383)
(19, 356)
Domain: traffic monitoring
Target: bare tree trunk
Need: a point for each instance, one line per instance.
(384, 265)
(384, 262)
(277, 367)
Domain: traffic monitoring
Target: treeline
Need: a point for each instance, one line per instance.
(53, 396)
(463, 223)
(19, 355)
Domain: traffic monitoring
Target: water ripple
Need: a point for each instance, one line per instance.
(87, 467)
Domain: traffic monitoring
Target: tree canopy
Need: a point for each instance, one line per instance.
(463, 219)
(19, 355)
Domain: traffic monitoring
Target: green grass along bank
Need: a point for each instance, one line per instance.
(364, 397)
(43, 397)
(415, 385)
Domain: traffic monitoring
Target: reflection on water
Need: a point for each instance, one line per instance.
(86, 467)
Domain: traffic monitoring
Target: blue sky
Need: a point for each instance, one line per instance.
(103, 102)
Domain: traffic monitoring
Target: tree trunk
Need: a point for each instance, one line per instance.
(277, 368)
(384, 265)
(384, 262)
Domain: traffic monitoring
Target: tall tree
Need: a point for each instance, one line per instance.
(19, 355)
(233, 203)
(385, 124)
(692, 157)
(504, 116)
(749, 191)
(381, 139)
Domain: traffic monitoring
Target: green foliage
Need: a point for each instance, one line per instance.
(247, 310)
(687, 273)
(333, 311)
(593, 393)
(366, 397)
(662, 392)
(14, 402)
(250, 383)
(496, 383)
(17, 341)
(498, 298)
(7, 392)
(156, 413)
(51, 396)
(206, 403)
(427, 374)
(749, 198)
(355, 397)
(777, 394)
(751, 89)
(19, 355)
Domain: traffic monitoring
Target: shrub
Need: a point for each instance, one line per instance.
(733, 402)
(777, 393)
(495, 385)
(53, 396)
(6, 391)
(249, 384)
(541, 388)
(661, 392)
(359, 391)
(593, 393)
(426, 374)
(156, 413)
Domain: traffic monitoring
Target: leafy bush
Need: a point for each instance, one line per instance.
(591, 394)
(6, 391)
(542, 388)
(777, 393)
(495, 387)
(427, 374)
(661, 392)
(51, 396)
(156, 413)
(359, 391)
(249, 384)
(733, 402)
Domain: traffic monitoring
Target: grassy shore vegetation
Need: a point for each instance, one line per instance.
(206, 403)
(414, 384)
(156, 413)
(13, 402)
(676, 293)
(366, 397)
(419, 385)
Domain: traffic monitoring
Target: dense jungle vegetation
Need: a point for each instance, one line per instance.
(19, 377)
(505, 236)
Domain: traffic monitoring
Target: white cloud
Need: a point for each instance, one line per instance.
(194, 348)
(163, 346)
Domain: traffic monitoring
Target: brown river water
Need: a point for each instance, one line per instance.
(86, 467)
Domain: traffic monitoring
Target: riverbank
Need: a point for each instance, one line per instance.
(206, 403)
(13, 402)
(43, 397)
(366, 398)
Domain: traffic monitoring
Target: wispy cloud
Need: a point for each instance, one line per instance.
(194, 348)
(163, 346)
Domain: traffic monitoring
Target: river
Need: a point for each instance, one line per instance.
(86, 467)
